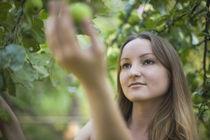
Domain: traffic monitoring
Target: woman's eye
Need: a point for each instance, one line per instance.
(125, 66)
(148, 61)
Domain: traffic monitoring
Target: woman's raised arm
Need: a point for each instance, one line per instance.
(88, 65)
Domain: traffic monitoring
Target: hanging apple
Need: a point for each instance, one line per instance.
(33, 6)
(80, 11)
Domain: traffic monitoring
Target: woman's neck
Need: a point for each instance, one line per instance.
(142, 115)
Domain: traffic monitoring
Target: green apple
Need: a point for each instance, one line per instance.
(80, 11)
(112, 58)
(33, 6)
(134, 18)
(121, 15)
(197, 99)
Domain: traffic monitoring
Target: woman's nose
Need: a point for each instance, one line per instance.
(135, 71)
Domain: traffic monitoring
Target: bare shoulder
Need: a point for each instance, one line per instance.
(86, 133)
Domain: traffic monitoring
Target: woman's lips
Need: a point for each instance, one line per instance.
(136, 84)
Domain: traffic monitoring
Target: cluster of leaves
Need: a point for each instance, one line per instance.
(27, 67)
(25, 58)
(22, 34)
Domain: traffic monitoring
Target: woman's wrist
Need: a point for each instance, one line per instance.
(94, 82)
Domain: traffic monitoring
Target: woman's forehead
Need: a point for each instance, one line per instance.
(137, 47)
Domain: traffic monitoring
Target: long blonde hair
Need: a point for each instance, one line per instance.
(175, 118)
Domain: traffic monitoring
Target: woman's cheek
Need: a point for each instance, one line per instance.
(123, 79)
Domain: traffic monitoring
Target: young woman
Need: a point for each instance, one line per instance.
(154, 99)
(153, 93)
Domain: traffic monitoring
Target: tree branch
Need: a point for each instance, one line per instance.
(168, 25)
(198, 44)
(32, 114)
(11, 130)
(175, 4)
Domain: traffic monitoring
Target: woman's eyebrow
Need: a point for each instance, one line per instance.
(125, 58)
(145, 54)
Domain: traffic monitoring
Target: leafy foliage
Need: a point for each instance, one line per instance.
(33, 80)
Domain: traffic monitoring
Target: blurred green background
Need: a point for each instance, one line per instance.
(49, 102)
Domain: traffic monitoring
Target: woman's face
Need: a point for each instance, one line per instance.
(142, 76)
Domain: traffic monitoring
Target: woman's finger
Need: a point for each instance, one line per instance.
(66, 30)
(50, 30)
(53, 10)
(52, 39)
(88, 28)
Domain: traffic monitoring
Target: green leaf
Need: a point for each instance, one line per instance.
(38, 30)
(159, 20)
(57, 75)
(149, 23)
(37, 69)
(39, 59)
(4, 115)
(43, 15)
(4, 7)
(112, 58)
(193, 80)
(26, 74)
(33, 34)
(197, 98)
(42, 72)
(179, 23)
(11, 87)
(30, 43)
(121, 38)
(40, 63)
(9, 84)
(160, 5)
(12, 57)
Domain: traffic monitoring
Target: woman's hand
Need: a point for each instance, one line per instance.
(87, 64)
